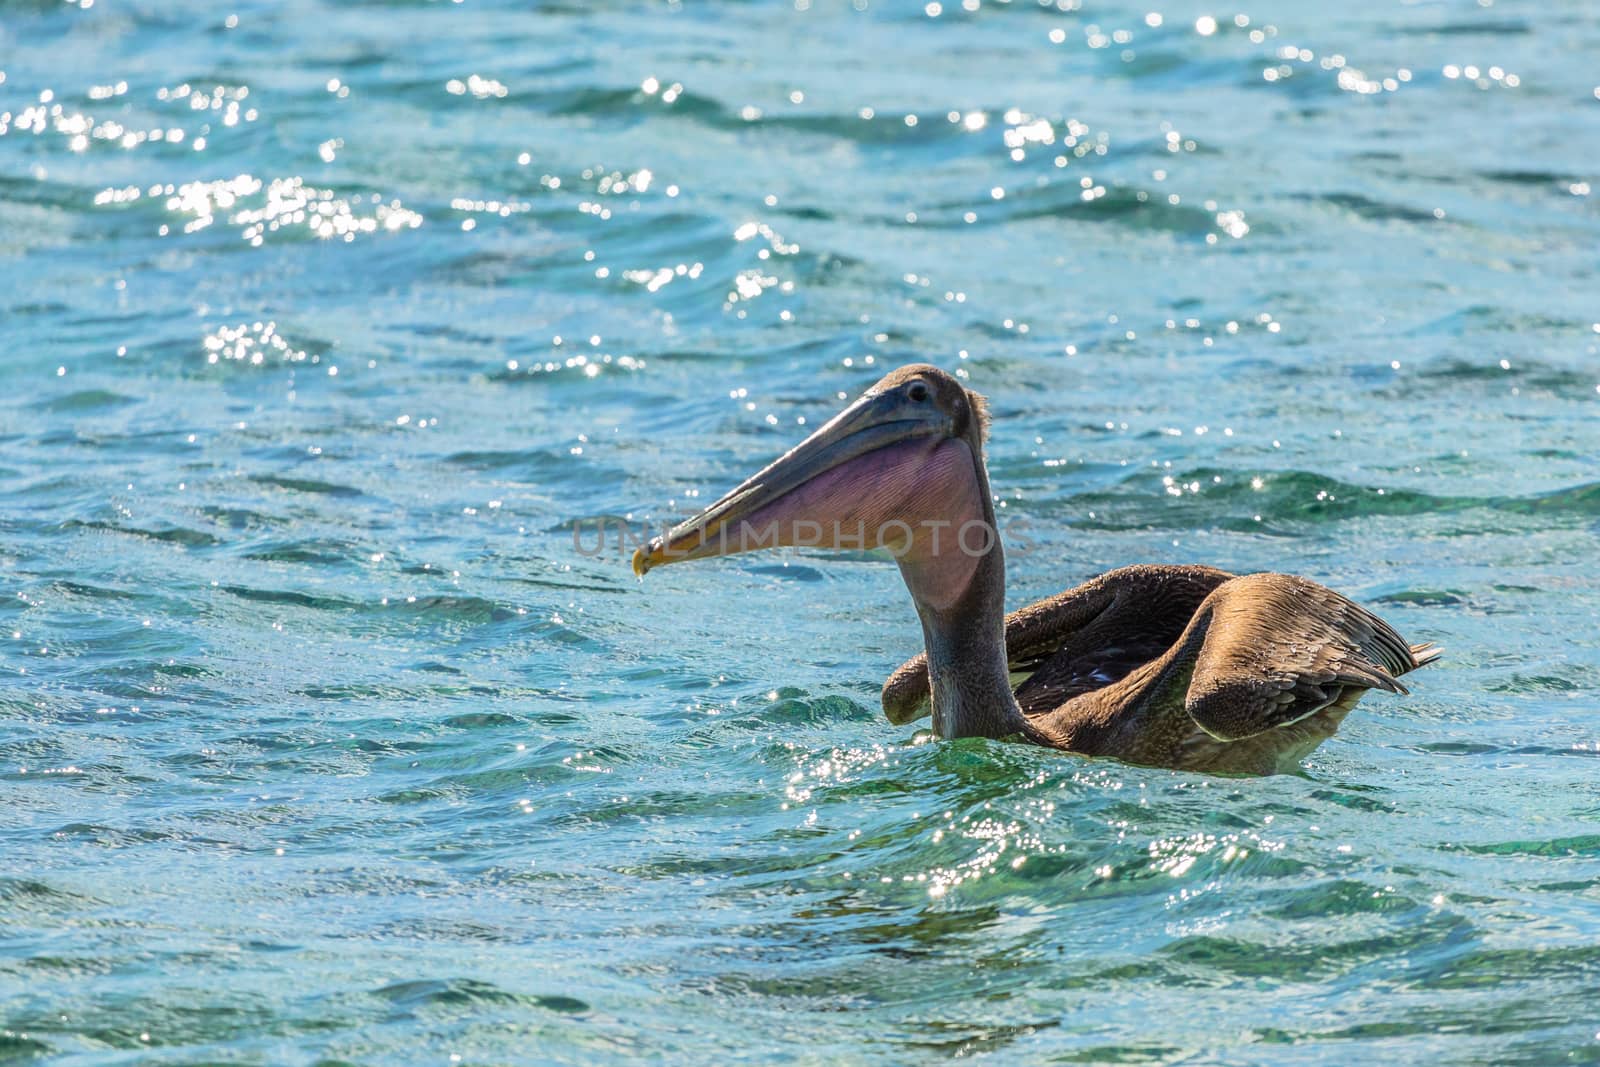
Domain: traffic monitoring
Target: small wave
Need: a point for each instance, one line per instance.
(1492, 968)
(470, 992)
(178, 535)
(306, 485)
(1207, 497)
(89, 400)
(1584, 845)
(1367, 208)
(317, 602)
(315, 551)
(1134, 208)
(1472, 28)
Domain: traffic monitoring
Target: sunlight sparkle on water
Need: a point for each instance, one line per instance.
(261, 208)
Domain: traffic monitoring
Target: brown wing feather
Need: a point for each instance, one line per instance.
(1080, 639)
(1278, 648)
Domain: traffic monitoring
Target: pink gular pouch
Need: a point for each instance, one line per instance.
(919, 499)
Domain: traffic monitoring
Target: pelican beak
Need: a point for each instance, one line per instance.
(821, 480)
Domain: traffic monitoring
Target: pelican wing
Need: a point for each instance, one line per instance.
(1273, 649)
(1081, 639)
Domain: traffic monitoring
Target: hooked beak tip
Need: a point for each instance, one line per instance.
(650, 555)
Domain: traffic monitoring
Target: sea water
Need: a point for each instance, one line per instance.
(332, 333)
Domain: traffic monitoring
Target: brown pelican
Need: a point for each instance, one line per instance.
(1172, 666)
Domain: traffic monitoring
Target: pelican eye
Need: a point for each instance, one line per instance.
(918, 392)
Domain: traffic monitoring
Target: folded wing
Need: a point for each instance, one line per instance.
(1276, 649)
(1079, 640)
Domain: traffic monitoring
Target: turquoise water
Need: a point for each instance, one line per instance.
(324, 739)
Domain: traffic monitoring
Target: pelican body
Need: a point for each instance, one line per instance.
(1172, 666)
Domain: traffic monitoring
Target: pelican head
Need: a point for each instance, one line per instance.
(899, 469)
